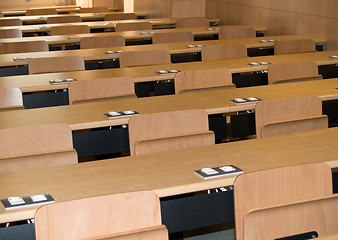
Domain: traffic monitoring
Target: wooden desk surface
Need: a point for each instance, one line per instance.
(40, 82)
(59, 8)
(43, 18)
(173, 48)
(167, 174)
(94, 25)
(90, 115)
(138, 35)
(329, 237)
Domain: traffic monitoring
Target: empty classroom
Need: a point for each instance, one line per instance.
(168, 120)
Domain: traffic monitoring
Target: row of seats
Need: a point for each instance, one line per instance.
(210, 52)
(51, 145)
(186, 81)
(297, 204)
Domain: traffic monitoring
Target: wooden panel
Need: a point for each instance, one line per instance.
(100, 89)
(174, 143)
(294, 46)
(151, 233)
(25, 163)
(11, 33)
(97, 216)
(133, 26)
(35, 140)
(104, 3)
(64, 19)
(10, 97)
(153, 8)
(119, 16)
(10, 22)
(308, 17)
(279, 186)
(102, 42)
(294, 126)
(236, 33)
(68, 30)
(172, 37)
(94, 10)
(143, 58)
(292, 70)
(47, 11)
(284, 109)
(23, 47)
(319, 215)
(56, 64)
(192, 22)
(223, 51)
(188, 8)
(23, 4)
(200, 79)
(166, 124)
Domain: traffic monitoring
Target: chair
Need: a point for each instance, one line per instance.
(192, 22)
(101, 89)
(167, 131)
(293, 72)
(172, 37)
(11, 33)
(318, 215)
(63, 19)
(216, 52)
(97, 217)
(68, 30)
(133, 26)
(294, 46)
(227, 33)
(10, 22)
(94, 10)
(144, 58)
(23, 47)
(10, 98)
(55, 64)
(41, 11)
(278, 186)
(119, 16)
(32, 147)
(203, 80)
(152, 233)
(102, 42)
(289, 115)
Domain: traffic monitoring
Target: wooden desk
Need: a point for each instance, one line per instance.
(40, 82)
(60, 9)
(156, 22)
(97, 54)
(90, 115)
(180, 47)
(41, 19)
(329, 237)
(167, 174)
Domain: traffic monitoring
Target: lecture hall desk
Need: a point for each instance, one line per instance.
(41, 19)
(113, 134)
(61, 9)
(171, 175)
(156, 22)
(96, 54)
(90, 115)
(40, 82)
(131, 36)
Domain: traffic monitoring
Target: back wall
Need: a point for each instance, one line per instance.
(308, 17)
